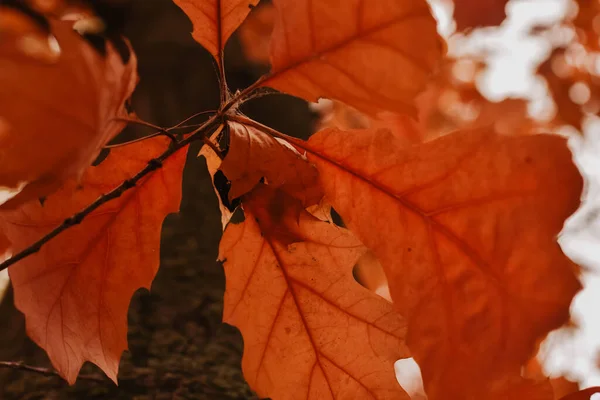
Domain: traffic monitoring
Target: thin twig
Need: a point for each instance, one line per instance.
(242, 96)
(141, 139)
(161, 130)
(77, 218)
(154, 164)
(20, 365)
(191, 117)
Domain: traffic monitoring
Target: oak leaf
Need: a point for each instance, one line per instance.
(55, 115)
(516, 388)
(372, 55)
(254, 155)
(215, 21)
(479, 13)
(75, 291)
(465, 228)
(310, 330)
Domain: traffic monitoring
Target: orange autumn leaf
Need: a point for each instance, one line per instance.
(585, 394)
(4, 245)
(563, 387)
(255, 33)
(585, 23)
(523, 389)
(310, 330)
(354, 53)
(560, 386)
(215, 21)
(479, 13)
(19, 25)
(75, 291)
(465, 227)
(58, 106)
(254, 155)
(369, 273)
(574, 89)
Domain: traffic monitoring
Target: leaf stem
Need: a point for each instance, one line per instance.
(268, 130)
(152, 165)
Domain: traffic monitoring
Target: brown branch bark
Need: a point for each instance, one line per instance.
(46, 371)
(152, 165)
(198, 134)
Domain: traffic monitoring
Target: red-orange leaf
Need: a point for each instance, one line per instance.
(479, 13)
(310, 331)
(585, 394)
(254, 155)
(255, 33)
(371, 54)
(215, 21)
(75, 292)
(55, 115)
(465, 228)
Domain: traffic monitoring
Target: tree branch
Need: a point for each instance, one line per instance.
(152, 165)
(20, 365)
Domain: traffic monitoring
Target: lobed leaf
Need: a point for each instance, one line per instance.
(56, 111)
(373, 55)
(215, 21)
(465, 228)
(75, 291)
(310, 330)
(254, 155)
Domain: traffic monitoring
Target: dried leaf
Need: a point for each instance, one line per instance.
(254, 155)
(213, 163)
(354, 53)
(75, 291)
(465, 228)
(310, 331)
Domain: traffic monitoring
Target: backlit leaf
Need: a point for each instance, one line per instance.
(75, 292)
(215, 21)
(254, 155)
(465, 228)
(373, 55)
(58, 102)
(310, 330)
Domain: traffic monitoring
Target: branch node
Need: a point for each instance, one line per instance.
(74, 220)
(170, 136)
(155, 163)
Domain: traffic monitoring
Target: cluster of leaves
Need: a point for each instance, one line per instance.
(463, 227)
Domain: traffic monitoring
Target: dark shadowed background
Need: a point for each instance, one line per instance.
(178, 347)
